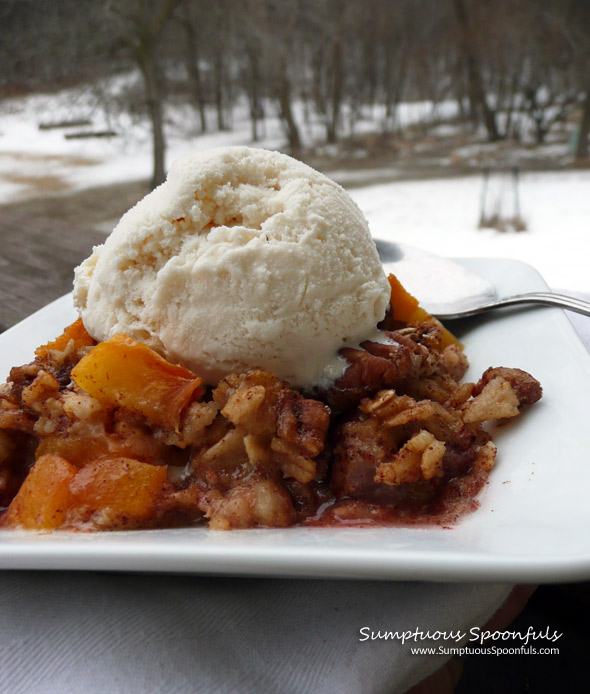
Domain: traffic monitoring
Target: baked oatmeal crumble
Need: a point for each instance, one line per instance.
(397, 438)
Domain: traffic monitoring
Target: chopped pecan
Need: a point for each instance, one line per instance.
(406, 354)
(377, 366)
(526, 388)
(302, 422)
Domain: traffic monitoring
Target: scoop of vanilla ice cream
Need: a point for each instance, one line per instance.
(243, 258)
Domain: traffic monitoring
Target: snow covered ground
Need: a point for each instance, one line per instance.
(440, 215)
(32, 158)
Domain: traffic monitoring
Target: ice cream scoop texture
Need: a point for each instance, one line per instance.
(244, 258)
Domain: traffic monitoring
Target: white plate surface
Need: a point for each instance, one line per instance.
(534, 516)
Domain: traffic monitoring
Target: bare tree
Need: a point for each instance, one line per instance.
(477, 95)
(140, 25)
(49, 45)
(336, 89)
(280, 28)
(584, 131)
(253, 69)
(578, 36)
(516, 65)
(190, 21)
(545, 108)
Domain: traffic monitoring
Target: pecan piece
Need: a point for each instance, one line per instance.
(526, 388)
(376, 366)
(302, 422)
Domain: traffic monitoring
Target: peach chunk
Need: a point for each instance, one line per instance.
(123, 372)
(85, 447)
(44, 498)
(125, 488)
(76, 332)
(407, 309)
(77, 449)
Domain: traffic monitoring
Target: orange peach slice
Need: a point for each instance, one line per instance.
(124, 487)
(76, 331)
(406, 309)
(44, 498)
(125, 373)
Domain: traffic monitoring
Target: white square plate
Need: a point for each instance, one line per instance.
(533, 523)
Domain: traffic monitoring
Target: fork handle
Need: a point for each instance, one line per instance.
(543, 298)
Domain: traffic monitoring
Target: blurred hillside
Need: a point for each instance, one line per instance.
(497, 80)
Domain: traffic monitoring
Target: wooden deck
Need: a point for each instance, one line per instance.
(37, 260)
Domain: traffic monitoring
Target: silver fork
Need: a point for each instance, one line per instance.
(476, 296)
(543, 298)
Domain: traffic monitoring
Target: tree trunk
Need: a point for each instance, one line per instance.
(194, 71)
(336, 100)
(394, 87)
(142, 34)
(256, 110)
(218, 74)
(284, 89)
(317, 83)
(476, 90)
(219, 105)
(511, 103)
(582, 146)
(388, 89)
(154, 100)
(370, 68)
